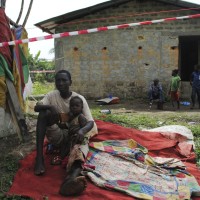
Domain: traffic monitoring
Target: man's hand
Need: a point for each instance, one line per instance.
(51, 112)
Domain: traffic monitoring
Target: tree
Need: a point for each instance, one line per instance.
(35, 64)
(33, 60)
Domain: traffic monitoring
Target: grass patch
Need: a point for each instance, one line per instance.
(9, 166)
(42, 88)
(8, 197)
(144, 121)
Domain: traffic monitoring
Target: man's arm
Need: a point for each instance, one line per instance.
(160, 87)
(54, 113)
(40, 107)
(191, 79)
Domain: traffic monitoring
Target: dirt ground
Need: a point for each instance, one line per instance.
(12, 148)
(141, 106)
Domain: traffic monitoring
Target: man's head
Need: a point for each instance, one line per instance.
(63, 81)
(62, 71)
(76, 105)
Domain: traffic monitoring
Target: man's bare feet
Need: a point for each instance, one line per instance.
(39, 168)
(73, 186)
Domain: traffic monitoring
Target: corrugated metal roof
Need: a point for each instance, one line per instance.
(50, 25)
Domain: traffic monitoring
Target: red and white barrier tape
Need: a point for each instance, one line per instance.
(94, 30)
(42, 71)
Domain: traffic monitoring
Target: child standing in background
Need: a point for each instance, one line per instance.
(174, 88)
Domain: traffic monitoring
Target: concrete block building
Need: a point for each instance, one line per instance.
(123, 62)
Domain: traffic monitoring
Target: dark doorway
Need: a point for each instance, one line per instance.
(189, 48)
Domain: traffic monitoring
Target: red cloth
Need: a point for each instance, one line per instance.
(5, 36)
(26, 183)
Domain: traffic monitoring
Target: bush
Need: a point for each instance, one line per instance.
(40, 78)
(42, 88)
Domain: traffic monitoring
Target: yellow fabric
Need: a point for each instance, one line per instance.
(24, 65)
(16, 74)
(3, 90)
(17, 84)
(24, 46)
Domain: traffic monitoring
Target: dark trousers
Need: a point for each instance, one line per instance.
(195, 91)
(153, 96)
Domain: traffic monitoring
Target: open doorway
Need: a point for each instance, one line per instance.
(189, 48)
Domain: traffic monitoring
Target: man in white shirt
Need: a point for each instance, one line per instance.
(52, 122)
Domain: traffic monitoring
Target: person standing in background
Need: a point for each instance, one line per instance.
(195, 83)
(175, 88)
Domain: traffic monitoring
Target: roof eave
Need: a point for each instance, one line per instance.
(52, 23)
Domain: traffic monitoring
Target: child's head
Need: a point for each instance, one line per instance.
(175, 72)
(76, 105)
(197, 67)
(155, 81)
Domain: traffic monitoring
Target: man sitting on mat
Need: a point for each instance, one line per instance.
(52, 122)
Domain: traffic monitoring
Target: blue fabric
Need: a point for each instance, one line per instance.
(155, 92)
(18, 32)
(196, 79)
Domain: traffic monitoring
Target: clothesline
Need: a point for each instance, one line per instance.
(94, 30)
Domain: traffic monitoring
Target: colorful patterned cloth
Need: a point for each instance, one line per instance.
(125, 166)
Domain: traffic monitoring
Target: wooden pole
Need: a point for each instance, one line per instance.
(16, 112)
(27, 14)
(14, 118)
(21, 11)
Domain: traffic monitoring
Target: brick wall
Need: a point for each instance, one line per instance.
(123, 62)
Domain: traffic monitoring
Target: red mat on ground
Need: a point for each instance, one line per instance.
(27, 184)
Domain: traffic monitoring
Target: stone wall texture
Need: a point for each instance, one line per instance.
(124, 62)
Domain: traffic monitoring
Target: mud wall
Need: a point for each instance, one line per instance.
(123, 62)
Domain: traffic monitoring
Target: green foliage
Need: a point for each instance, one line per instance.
(9, 164)
(42, 88)
(127, 120)
(9, 197)
(35, 63)
(33, 60)
(39, 78)
(197, 149)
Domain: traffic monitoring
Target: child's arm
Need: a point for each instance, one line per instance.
(169, 91)
(178, 84)
(86, 126)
